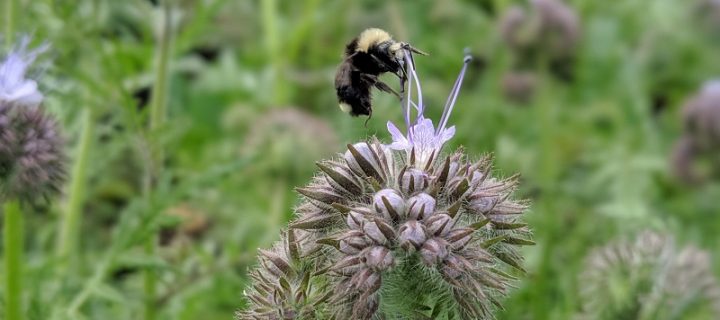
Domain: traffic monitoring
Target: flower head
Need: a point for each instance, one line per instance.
(702, 116)
(290, 138)
(14, 87)
(32, 162)
(404, 233)
(701, 135)
(542, 37)
(549, 26)
(649, 278)
(422, 139)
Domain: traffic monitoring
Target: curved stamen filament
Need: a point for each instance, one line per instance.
(408, 102)
(412, 78)
(450, 103)
(416, 80)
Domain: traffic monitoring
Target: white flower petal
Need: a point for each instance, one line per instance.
(400, 142)
(447, 134)
(395, 132)
(14, 87)
(399, 146)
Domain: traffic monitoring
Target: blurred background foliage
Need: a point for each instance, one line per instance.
(251, 107)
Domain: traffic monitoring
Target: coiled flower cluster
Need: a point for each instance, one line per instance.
(701, 135)
(543, 37)
(707, 14)
(289, 137)
(550, 28)
(396, 231)
(649, 278)
(32, 162)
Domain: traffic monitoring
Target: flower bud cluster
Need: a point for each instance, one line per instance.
(283, 286)
(701, 135)
(376, 213)
(32, 162)
(288, 139)
(649, 278)
(544, 36)
(549, 28)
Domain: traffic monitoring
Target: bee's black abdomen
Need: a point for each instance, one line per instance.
(353, 90)
(358, 99)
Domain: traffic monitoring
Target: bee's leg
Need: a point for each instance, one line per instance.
(385, 65)
(369, 78)
(368, 118)
(402, 75)
(384, 87)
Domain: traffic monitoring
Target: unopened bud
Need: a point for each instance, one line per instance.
(434, 251)
(365, 160)
(421, 206)
(438, 224)
(389, 204)
(378, 258)
(412, 235)
(413, 180)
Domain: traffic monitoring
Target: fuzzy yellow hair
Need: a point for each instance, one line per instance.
(371, 37)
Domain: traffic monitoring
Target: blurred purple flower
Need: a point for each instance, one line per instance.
(32, 159)
(422, 136)
(14, 87)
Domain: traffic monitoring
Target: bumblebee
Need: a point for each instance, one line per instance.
(366, 57)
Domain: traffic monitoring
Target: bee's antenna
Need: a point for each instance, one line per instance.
(415, 50)
(368, 118)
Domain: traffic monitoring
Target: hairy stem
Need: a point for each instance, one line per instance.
(9, 22)
(269, 15)
(158, 116)
(13, 238)
(276, 211)
(68, 242)
(90, 285)
(158, 100)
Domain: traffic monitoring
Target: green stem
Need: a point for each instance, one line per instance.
(277, 208)
(9, 22)
(13, 259)
(158, 100)
(158, 116)
(548, 172)
(150, 281)
(268, 10)
(68, 242)
(90, 285)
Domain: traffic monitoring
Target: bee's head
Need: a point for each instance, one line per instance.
(396, 51)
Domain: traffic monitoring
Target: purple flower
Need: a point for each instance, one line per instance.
(422, 136)
(711, 87)
(14, 87)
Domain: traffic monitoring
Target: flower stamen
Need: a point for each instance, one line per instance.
(450, 103)
(421, 135)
